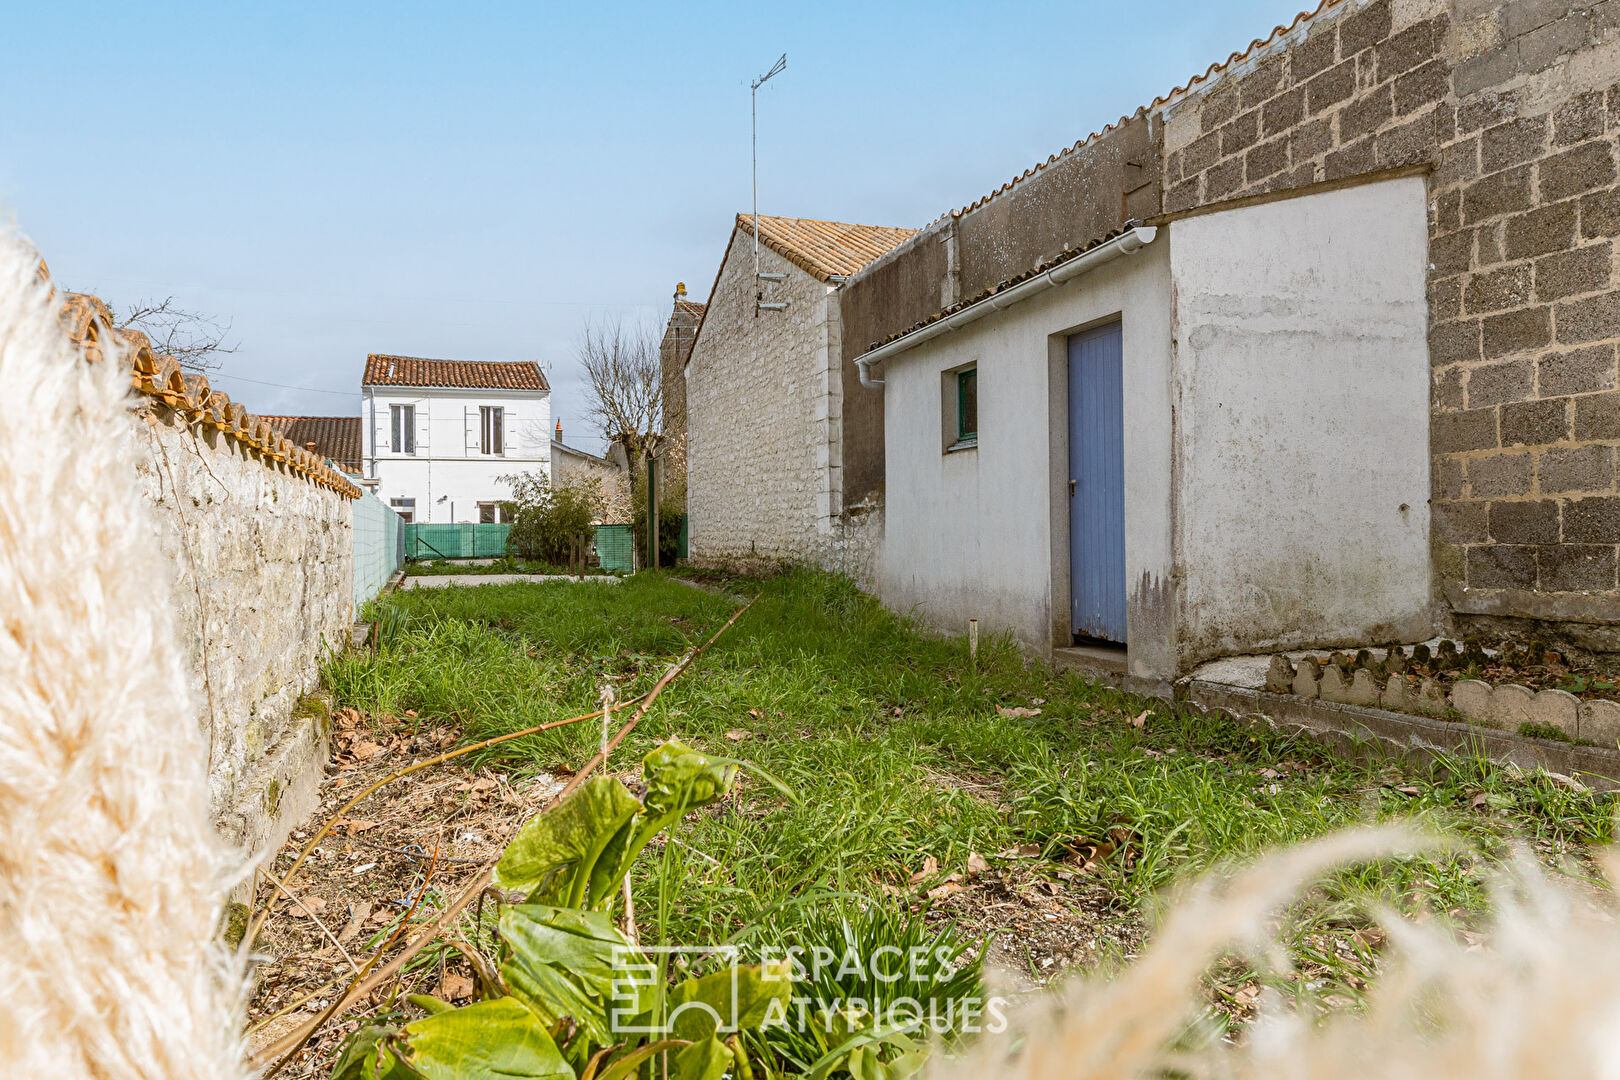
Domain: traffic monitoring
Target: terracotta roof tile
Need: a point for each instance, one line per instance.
(826, 249)
(385, 370)
(89, 325)
(691, 307)
(335, 437)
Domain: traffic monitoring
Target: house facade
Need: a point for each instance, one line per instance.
(1317, 350)
(440, 434)
(780, 466)
(610, 471)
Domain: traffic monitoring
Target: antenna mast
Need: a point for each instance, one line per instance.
(753, 110)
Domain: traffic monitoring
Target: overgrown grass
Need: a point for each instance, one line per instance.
(895, 747)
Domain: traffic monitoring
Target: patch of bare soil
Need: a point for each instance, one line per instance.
(354, 891)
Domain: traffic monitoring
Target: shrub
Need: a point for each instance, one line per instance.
(549, 520)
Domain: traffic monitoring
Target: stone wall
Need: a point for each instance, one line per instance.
(764, 401)
(254, 547)
(1511, 112)
(262, 564)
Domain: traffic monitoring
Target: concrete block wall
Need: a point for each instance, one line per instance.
(1512, 112)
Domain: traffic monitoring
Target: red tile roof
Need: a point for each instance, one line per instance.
(89, 325)
(335, 437)
(692, 307)
(826, 249)
(385, 370)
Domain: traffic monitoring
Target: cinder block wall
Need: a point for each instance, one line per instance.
(1512, 112)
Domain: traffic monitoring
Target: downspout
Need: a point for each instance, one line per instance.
(1126, 243)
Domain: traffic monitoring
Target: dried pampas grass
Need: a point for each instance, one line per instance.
(111, 879)
(1541, 998)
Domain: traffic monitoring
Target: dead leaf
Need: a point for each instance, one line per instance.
(1016, 711)
(756, 714)
(949, 887)
(365, 749)
(354, 825)
(1409, 789)
(410, 714)
(358, 914)
(737, 735)
(976, 866)
(312, 905)
(455, 987)
(930, 867)
(1479, 801)
(1141, 719)
(1269, 774)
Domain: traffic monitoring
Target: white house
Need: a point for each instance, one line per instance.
(439, 434)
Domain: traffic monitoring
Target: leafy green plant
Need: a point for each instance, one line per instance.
(549, 519)
(390, 622)
(574, 1007)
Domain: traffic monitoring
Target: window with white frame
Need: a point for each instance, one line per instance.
(491, 439)
(403, 418)
(405, 508)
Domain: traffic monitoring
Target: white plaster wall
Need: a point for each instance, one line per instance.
(1302, 404)
(763, 402)
(448, 476)
(983, 533)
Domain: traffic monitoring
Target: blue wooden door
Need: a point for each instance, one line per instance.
(1097, 484)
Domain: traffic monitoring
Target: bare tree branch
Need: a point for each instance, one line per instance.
(192, 338)
(627, 391)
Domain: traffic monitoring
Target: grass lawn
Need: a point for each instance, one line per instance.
(1084, 802)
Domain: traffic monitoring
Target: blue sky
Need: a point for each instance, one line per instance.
(477, 182)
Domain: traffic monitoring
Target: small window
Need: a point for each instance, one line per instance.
(404, 428)
(967, 406)
(405, 508)
(490, 439)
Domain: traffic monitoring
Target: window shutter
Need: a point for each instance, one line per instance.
(470, 418)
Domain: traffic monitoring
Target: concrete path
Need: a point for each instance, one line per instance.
(442, 581)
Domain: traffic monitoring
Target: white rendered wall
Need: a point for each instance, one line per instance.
(983, 533)
(448, 476)
(1302, 404)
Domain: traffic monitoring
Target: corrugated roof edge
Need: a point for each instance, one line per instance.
(1002, 286)
(1197, 83)
(89, 325)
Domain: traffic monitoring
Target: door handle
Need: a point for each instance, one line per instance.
(1071, 489)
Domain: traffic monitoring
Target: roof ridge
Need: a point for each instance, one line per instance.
(1256, 44)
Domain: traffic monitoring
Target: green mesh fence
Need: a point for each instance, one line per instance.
(423, 541)
(616, 548)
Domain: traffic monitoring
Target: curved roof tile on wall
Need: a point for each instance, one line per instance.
(383, 369)
(89, 324)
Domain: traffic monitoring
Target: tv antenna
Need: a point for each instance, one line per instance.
(753, 110)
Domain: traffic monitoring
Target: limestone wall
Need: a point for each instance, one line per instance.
(260, 564)
(762, 400)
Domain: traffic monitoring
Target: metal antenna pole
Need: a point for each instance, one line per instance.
(753, 120)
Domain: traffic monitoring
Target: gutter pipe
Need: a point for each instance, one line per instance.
(1126, 243)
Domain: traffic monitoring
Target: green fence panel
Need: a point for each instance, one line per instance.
(616, 548)
(425, 541)
(489, 541)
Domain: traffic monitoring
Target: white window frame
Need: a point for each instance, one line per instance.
(492, 430)
(402, 429)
